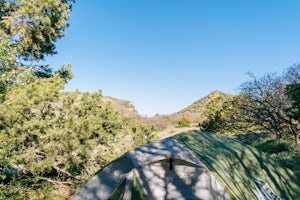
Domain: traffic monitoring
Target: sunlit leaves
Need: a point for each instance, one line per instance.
(35, 25)
(61, 137)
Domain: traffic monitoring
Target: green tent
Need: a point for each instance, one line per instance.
(192, 165)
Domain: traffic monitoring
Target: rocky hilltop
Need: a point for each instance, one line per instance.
(198, 111)
(124, 107)
(200, 105)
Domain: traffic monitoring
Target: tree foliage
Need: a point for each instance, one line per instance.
(293, 92)
(230, 117)
(34, 25)
(269, 102)
(28, 32)
(50, 139)
(268, 95)
(184, 122)
(61, 139)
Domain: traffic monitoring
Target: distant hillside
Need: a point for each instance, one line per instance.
(196, 112)
(124, 107)
(200, 105)
(199, 110)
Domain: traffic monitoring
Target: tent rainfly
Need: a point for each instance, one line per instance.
(192, 165)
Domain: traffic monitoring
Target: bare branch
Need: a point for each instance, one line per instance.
(61, 183)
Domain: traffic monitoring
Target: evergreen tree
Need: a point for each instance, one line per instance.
(28, 32)
(34, 25)
(51, 139)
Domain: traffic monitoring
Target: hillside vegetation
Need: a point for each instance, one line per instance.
(206, 106)
(53, 140)
(192, 115)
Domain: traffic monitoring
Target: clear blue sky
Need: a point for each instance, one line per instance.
(165, 54)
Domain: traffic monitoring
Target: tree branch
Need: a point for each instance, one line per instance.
(62, 183)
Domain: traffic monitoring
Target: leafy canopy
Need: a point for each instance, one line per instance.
(34, 25)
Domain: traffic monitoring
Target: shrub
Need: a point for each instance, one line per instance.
(184, 122)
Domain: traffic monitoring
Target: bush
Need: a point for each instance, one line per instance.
(272, 146)
(184, 122)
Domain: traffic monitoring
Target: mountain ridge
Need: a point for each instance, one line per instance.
(195, 112)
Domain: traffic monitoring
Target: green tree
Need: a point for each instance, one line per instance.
(231, 117)
(293, 92)
(28, 32)
(51, 139)
(184, 122)
(26, 118)
(34, 25)
(293, 110)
